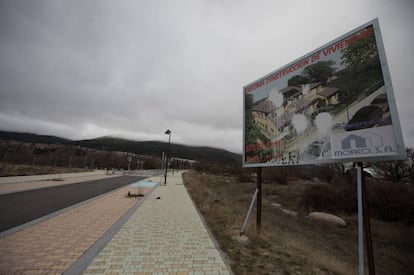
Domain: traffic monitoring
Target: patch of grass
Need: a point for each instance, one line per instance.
(8, 169)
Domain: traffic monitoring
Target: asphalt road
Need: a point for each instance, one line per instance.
(19, 208)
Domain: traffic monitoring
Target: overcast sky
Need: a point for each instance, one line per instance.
(133, 69)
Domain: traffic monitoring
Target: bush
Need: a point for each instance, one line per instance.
(218, 168)
(328, 198)
(245, 177)
(151, 164)
(279, 174)
(391, 202)
(323, 172)
(397, 170)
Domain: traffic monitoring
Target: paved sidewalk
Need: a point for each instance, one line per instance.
(164, 236)
(51, 246)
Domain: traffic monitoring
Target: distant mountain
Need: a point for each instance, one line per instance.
(29, 137)
(152, 148)
(155, 148)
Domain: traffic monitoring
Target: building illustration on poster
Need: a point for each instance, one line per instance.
(334, 104)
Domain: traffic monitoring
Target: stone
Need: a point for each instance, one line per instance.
(241, 239)
(276, 205)
(289, 212)
(329, 218)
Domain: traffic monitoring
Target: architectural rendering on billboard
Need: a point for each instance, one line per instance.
(335, 104)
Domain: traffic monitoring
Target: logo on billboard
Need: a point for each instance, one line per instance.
(368, 139)
(366, 143)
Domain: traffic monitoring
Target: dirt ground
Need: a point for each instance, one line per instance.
(291, 244)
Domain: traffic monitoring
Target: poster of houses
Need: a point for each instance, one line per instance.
(335, 104)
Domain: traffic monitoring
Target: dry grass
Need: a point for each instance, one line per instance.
(8, 169)
(291, 245)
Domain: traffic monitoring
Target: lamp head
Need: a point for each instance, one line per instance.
(167, 132)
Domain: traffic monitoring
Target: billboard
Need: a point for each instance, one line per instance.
(335, 104)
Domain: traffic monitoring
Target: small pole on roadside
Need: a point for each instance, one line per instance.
(259, 200)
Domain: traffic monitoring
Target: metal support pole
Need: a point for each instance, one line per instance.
(259, 200)
(360, 222)
(249, 212)
(162, 161)
(166, 170)
(367, 225)
(168, 132)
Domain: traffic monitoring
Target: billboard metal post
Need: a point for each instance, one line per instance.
(367, 225)
(259, 200)
(360, 223)
(364, 225)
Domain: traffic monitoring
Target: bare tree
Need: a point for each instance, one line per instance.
(397, 169)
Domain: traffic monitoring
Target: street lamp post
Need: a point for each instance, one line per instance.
(168, 132)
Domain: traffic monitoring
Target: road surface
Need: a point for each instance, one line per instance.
(19, 208)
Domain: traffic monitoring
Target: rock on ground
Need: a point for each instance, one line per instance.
(276, 205)
(289, 212)
(326, 217)
(242, 239)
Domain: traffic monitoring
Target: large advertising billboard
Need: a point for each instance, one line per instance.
(335, 104)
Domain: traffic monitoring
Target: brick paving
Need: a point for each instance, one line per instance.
(50, 247)
(164, 236)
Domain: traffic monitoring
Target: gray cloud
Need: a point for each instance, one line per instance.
(81, 69)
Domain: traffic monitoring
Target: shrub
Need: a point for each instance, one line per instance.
(245, 177)
(151, 164)
(391, 202)
(328, 198)
(386, 201)
(398, 169)
(279, 174)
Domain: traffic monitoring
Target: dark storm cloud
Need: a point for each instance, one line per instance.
(81, 69)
